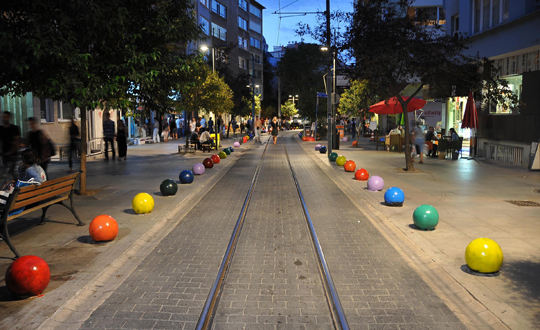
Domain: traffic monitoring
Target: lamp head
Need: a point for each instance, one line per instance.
(203, 48)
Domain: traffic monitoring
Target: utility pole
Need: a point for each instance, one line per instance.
(253, 90)
(329, 81)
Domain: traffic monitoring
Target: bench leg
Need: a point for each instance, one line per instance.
(72, 209)
(5, 237)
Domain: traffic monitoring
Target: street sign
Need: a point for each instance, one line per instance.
(342, 80)
(319, 94)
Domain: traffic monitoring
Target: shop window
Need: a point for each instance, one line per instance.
(515, 84)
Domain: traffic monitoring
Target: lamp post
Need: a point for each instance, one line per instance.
(294, 97)
(330, 92)
(204, 48)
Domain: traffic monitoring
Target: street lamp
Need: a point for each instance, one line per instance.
(294, 97)
(331, 92)
(204, 48)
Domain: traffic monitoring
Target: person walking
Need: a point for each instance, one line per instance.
(9, 135)
(165, 131)
(74, 141)
(39, 141)
(180, 127)
(193, 125)
(109, 132)
(211, 125)
(274, 129)
(419, 141)
(173, 128)
(121, 140)
(258, 125)
(155, 132)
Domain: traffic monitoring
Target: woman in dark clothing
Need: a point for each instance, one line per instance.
(274, 129)
(39, 141)
(73, 143)
(121, 140)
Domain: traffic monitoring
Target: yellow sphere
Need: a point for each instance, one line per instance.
(142, 203)
(484, 255)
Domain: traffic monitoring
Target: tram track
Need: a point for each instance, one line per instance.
(335, 308)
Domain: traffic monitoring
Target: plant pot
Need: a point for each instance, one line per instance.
(442, 154)
(455, 155)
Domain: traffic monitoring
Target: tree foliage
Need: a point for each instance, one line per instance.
(288, 109)
(357, 99)
(207, 92)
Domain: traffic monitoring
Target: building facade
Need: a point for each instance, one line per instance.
(506, 32)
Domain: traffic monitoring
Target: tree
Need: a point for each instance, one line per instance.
(391, 49)
(94, 53)
(288, 109)
(357, 99)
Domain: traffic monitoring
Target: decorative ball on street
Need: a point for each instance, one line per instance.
(349, 166)
(300, 134)
(322, 150)
(186, 177)
(361, 174)
(394, 197)
(484, 255)
(28, 276)
(142, 203)
(231, 149)
(426, 217)
(227, 151)
(354, 143)
(208, 162)
(236, 144)
(198, 169)
(345, 139)
(317, 147)
(168, 188)
(245, 139)
(103, 228)
(222, 155)
(341, 160)
(332, 157)
(304, 138)
(215, 158)
(375, 183)
(310, 139)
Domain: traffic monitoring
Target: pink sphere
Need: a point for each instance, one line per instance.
(198, 169)
(317, 147)
(375, 183)
(28, 275)
(345, 139)
(236, 144)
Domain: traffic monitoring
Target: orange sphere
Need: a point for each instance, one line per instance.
(354, 143)
(103, 228)
(350, 166)
(304, 138)
(361, 175)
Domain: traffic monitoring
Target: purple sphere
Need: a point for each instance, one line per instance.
(236, 144)
(345, 139)
(317, 147)
(375, 183)
(198, 169)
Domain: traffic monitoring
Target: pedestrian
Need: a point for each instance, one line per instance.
(155, 133)
(180, 127)
(121, 140)
(165, 131)
(109, 132)
(242, 128)
(173, 128)
(9, 135)
(192, 125)
(30, 169)
(274, 129)
(40, 142)
(234, 126)
(419, 141)
(203, 122)
(74, 141)
(353, 128)
(211, 125)
(258, 126)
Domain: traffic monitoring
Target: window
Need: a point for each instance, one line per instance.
(219, 9)
(255, 42)
(489, 14)
(242, 23)
(257, 74)
(204, 2)
(219, 32)
(255, 27)
(243, 63)
(258, 90)
(47, 110)
(243, 4)
(431, 16)
(255, 11)
(257, 59)
(242, 43)
(455, 24)
(67, 110)
(205, 25)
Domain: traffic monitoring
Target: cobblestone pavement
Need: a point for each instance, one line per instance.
(377, 288)
(273, 281)
(170, 286)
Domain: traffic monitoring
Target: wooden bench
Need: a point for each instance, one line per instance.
(35, 197)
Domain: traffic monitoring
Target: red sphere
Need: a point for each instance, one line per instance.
(208, 163)
(361, 175)
(304, 138)
(349, 166)
(103, 228)
(245, 139)
(215, 158)
(311, 138)
(28, 276)
(354, 143)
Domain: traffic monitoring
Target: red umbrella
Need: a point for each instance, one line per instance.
(393, 107)
(470, 117)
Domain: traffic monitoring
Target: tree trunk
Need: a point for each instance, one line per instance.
(409, 165)
(84, 148)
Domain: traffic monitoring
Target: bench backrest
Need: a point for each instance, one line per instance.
(48, 189)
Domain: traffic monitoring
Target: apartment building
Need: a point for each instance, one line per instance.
(238, 22)
(505, 31)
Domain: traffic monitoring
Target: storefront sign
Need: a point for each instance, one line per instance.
(519, 63)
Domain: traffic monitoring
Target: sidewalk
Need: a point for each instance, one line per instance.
(72, 256)
(470, 196)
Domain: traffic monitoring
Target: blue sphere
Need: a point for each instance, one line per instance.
(231, 149)
(394, 197)
(322, 150)
(186, 176)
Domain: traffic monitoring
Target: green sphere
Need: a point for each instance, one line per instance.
(332, 157)
(222, 155)
(227, 151)
(341, 160)
(168, 187)
(426, 217)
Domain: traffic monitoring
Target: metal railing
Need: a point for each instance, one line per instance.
(504, 154)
